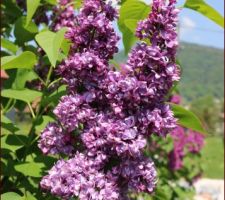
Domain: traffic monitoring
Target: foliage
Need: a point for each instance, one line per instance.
(204, 60)
(30, 50)
(213, 158)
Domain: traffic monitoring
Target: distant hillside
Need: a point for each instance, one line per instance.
(203, 70)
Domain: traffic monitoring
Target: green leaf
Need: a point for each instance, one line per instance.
(55, 96)
(51, 43)
(187, 118)
(6, 44)
(22, 76)
(25, 60)
(32, 6)
(25, 95)
(8, 125)
(30, 169)
(24, 33)
(131, 24)
(131, 11)
(52, 2)
(205, 9)
(42, 123)
(78, 4)
(28, 196)
(10, 196)
(66, 46)
(13, 142)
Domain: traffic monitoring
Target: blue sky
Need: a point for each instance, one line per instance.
(196, 28)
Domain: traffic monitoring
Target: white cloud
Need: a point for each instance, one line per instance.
(187, 22)
(186, 26)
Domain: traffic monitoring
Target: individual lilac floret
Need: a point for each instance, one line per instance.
(77, 177)
(74, 110)
(63, 15)
(54, 141)
(140, 174)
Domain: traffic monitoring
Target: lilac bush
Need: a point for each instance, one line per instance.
(184, 141)
(104, 121)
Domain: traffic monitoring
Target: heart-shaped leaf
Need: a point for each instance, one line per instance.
(51, 43)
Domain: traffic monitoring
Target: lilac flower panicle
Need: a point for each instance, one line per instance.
(184, 141)
(93, 29)
(114, 112)
(189, 140)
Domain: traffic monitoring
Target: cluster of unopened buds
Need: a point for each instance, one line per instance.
(105, 119)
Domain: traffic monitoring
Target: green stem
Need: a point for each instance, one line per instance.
(38, 113)
(7, 105)
(31, 110)
(49, 75)
(41, 80)
(53, 82)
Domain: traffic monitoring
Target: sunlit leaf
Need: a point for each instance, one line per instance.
(22, 76)
(187, 118)
(41, 124)
(8, 45)
(25, 60)
(53, 2)
(30, 169)
(25, 95)
(32, 6)
(10, 196)
(51, 43)
(8, 125)
(13, 142)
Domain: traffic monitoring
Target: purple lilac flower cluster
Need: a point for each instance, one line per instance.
(184, 141)
(63, 15)
(113, 112)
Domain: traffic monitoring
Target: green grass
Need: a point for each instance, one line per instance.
(213, 158)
